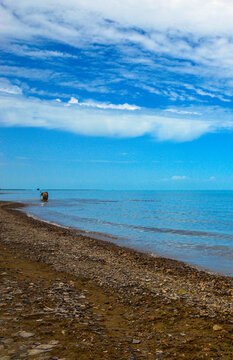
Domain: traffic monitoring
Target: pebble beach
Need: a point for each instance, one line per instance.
(67, 296)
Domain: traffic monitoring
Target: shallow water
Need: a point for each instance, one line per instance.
(192, 226)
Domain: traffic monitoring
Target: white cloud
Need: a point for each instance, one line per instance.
(183, 112)
(27, 73)
(182, 129)
(181, 29)
(33, 52)
(90, 86)
(177, 177)
(99, 105)
(110, 106)
(17, 110)
(198, 35)
(73, 101)
(210, 18)
(206, 93)
(182, 37)
(151, 89)
(8, 88)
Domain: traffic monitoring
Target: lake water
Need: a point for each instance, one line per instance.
(192, 226)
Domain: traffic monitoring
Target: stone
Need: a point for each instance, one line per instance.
(35, 352)
(7, 341)
(46, 347)
(26, 334)
(135, 341)
(54, 342)
(217, 327)
(43, 348)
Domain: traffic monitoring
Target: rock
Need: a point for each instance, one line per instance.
(7, 341)
(82, 297)
(26, 334)
(54, 342)
(23, 348)
(217, 327)
(43, 348)
(11, 352)
(135, 341)
(35, 352)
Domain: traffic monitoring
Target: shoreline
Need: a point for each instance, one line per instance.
(157, 262)
(124, 303)
(105, 237)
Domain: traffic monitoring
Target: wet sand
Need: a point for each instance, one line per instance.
(67, 296)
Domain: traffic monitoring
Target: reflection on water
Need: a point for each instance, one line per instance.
(193, 226)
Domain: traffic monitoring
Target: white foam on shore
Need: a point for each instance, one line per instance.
(46, 221)
(91, 234)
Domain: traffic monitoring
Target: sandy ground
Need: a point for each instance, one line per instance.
(67, 296)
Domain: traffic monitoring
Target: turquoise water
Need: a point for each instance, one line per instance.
(192, 226)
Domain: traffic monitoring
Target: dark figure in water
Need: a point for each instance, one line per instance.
(44, 195)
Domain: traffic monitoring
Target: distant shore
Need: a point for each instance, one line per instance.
(133, 281)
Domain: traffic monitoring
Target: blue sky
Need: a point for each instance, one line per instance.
(116, 95)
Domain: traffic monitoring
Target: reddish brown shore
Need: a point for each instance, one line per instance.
(67, 296)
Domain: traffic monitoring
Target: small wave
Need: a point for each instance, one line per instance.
(92, 234)
(46, 221)
(182, 232)
(144, 200)
(163, 230)
(94, 201)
